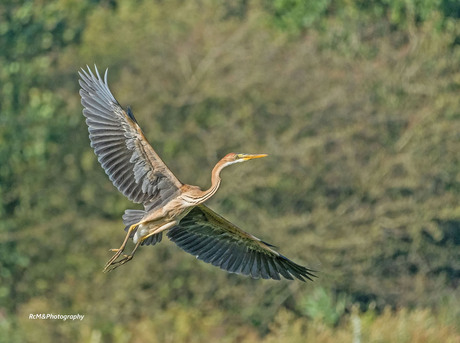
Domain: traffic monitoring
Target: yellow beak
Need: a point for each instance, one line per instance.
(248, 157)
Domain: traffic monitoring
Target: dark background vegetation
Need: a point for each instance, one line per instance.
(356, 102)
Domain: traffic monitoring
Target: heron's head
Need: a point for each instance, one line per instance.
(232, 158)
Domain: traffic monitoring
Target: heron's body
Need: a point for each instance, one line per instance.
(169, 205)
(166, 217)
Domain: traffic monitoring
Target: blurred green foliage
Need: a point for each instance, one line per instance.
(356, 103)
(321, 306)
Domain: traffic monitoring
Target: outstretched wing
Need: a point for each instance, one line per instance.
(121, 148)
(215, 240)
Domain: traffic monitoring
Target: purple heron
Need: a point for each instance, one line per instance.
(169, 205)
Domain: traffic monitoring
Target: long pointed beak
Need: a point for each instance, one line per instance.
(247, 157)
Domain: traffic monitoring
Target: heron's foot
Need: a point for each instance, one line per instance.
(113, 259)
(115, 264)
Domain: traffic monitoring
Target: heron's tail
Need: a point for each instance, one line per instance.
(132, 217)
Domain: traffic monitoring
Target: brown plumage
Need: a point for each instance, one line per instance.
(169, 205)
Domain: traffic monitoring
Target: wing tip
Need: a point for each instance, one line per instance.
(130, 114)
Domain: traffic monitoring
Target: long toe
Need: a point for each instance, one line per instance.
(116, 264)
(114, 257)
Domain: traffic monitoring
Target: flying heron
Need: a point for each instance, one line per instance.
(138, 172)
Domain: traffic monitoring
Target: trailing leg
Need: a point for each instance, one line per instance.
(121, 248)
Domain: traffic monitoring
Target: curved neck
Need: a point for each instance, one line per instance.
(197, 196)
(215, 181)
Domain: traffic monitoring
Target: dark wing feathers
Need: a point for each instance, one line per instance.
(122, 149)
(214, 240)
(152, 240)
